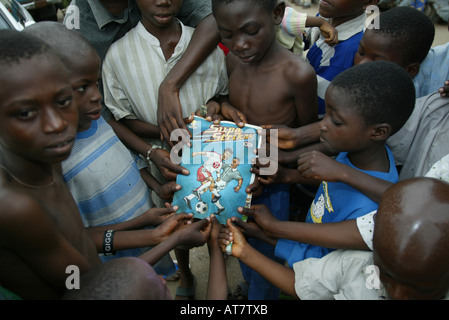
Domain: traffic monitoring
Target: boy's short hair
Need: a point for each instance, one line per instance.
(16, 46)
(411, 30)
(267, 4)
(379, 91)
(65, 42)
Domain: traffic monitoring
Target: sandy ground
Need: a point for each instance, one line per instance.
(199, 257)
(199, 261)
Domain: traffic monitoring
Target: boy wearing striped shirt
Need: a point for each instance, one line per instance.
(136, 65)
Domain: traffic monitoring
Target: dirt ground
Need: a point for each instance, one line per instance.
(199, 262)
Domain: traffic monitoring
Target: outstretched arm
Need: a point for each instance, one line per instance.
(279, 275)
(217, 285)
(316, 165)
(328, 235)
(287, 138)
(188, 235)
(204, 40)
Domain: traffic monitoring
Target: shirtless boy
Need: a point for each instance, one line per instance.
(267, 84)
(38, 127)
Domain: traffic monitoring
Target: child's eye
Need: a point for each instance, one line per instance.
(65, 102)
(26, 114)
(336, 122)
(252, 32)
(81, 89)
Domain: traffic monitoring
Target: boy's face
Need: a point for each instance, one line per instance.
(158, 13)
(410, 240)
(38, 117)
(341, 8)
(247, 30)
(404, 282)
(375, 46)
(235, 163)
(342, 129)
(84, 82)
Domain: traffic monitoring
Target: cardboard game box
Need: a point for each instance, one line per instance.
(219, 161)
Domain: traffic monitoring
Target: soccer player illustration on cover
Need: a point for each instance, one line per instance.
(214, 162)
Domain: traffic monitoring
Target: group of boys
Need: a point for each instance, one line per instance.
(62, 204)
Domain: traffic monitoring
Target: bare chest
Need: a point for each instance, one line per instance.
(61, 205)
(262, 97)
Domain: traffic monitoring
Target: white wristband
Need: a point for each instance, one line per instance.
(155, 146)
(229, 249)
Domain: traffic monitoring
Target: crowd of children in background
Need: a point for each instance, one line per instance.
(361, 118)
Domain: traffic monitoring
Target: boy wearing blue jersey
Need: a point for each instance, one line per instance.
(364, 106)
(348, 17)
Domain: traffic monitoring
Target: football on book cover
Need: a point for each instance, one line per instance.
(219, 161)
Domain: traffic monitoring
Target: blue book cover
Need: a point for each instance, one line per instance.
(219, 161)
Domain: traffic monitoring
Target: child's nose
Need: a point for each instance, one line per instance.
(240, 44)
(52, 121)
(323, 126)
(96, 96)
(163, 2)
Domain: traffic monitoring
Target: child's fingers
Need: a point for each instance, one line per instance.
(224, 237)
(246, 211)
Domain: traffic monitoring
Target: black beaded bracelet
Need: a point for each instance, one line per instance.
(108, 243)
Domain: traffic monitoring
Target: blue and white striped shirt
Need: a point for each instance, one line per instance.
(104, 178)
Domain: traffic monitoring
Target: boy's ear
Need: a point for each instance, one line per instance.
(412, 69)
(381, 132)
(278, 12)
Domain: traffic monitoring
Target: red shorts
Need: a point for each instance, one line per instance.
(202, 174)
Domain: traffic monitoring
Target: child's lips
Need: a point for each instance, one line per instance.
(324, 3)
(247, 59)
(163, 18)
(61, 147)
(94, 116)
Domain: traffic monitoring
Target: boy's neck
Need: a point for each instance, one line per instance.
(168, 36)
(84, 127)
(335, 22)
(27, 172)
(371, 159)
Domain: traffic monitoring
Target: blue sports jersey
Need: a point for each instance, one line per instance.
(334, 202)
(329, 61)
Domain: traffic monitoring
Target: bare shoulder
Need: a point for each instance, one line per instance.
(22, 216)
(231, 62)
(297, 70)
